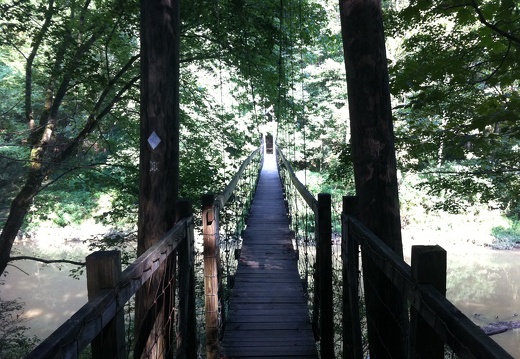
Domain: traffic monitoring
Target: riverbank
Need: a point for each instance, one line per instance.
(454, 231)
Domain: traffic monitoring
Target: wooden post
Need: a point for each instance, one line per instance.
(324, 248)
(186, 335)
(315, 319)
(352, 343)
(428, 267)
(104, 272)
(211, 285)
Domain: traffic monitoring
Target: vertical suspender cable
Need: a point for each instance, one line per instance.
(304, 121)
(291, 74)
(279, 112)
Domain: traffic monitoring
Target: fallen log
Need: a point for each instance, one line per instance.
(500, 327)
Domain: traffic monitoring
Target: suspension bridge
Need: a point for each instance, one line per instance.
(271, 289)
(268, 313)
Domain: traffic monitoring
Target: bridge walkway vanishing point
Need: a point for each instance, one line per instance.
(268, 314)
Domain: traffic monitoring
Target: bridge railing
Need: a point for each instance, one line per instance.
(434, 320)
(223, 220)
(100, 322)
(311, 223)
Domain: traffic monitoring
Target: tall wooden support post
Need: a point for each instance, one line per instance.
(352, 343)
(375, 171)
(428, 267)
(211, 282)
(324, 249)
(104, 272)
(186, 333)
(158, 163)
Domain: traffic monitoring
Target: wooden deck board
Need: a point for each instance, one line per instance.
(268, 315)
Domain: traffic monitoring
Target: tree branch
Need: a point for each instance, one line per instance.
(471, 173)
(493, 73)
(10, 109)
(30, 60)
(482, 19)
(199, 57)
(46, 261)
(20, 269)
(493, 27)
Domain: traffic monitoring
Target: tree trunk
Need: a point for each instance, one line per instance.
(33, 182)
(19, 208)
(374, 166)
(22, 202)
(39, 140)
(159, 158)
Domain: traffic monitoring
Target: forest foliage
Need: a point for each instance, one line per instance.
(70, 70)
(455, 78)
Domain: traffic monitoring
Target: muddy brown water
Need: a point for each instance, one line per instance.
(483, 283)
(50, 294)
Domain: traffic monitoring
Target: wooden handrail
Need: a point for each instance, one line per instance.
(464, 337)
(73, 336)
(223, 198)
(213, 305)
(304, 192)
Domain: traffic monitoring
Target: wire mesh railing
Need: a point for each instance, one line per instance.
(172, 321)
(336, 272)
(359, 262)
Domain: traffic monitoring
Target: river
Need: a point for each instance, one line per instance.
(50, 294)
(485, 285)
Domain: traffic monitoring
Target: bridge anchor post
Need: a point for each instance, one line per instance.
(103, 273)
(211, 276)
(428, 267)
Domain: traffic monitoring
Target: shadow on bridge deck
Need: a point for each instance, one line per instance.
(268, 314)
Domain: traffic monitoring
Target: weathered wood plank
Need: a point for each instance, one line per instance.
(266, 318)
(268, 315)
(243, 311)
(261, 308)
(296, 351)
(245, 327)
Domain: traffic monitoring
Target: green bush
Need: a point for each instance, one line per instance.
(14, 343)
(510, 234)
(64, 207)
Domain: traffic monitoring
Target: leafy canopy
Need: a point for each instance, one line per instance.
(456, 77)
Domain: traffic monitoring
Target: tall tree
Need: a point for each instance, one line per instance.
(159, 163)
(61, 58)
(373, 153)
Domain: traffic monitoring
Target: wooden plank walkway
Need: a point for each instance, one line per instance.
(268, 315)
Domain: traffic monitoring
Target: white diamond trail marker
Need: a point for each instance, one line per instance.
(154, 140)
